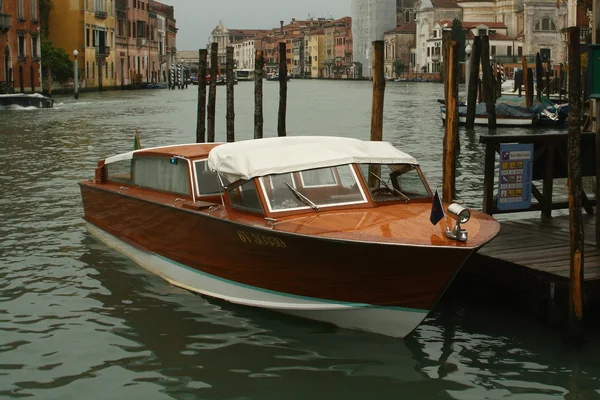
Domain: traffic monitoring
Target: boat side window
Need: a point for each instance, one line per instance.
(207, 181)
(245, 198)
(161, 173)
(119, 171)
(394, 181)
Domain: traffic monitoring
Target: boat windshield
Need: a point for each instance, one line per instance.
(314, 188)
(394, 182)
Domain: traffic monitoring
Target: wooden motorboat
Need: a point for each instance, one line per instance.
(331, 229)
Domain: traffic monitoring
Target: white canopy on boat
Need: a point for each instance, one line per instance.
(259, 157)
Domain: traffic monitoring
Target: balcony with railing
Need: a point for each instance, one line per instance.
(100, 14)
(5, 22)
(102, 51)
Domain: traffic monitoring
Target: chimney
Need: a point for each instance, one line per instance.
(281, 24)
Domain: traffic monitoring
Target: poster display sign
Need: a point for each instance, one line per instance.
(514, 176)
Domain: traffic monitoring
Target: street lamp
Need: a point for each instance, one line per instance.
(76, 73)
(468, 51)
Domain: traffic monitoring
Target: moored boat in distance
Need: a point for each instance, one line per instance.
(36, 100)
(331, 229)
(244, 74)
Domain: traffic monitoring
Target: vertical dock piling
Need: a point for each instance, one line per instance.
(488, 91)
(451, 128)
(575, 332)
(539, 76)
(259, 64)
(212, 93)
(473, 81)
(201, 122)
(378, 76)
(378, 91)
(230, 99)
(281, 129)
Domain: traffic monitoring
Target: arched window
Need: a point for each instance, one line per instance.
(545, 24)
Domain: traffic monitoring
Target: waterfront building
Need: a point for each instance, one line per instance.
(316, 45)
(89, 27)
(20, 46)
(529, 25)
(138, 42)
(370, 20)
(225, 37)
(398, 43)
(244, 51)
(343, 48)
(166, 35)
(299, 56)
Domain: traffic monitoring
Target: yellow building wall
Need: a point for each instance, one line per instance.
(67, 30)
(317, 48)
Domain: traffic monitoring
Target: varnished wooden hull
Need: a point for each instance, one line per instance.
(318, 278)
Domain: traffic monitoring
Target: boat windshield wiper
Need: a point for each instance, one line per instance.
(302, 197)
(391, 189)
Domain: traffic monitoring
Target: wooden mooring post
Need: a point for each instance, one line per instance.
(259, 64)
(575, 331)
(281, 129)
(488, 85)
(539, 76)
(451, 127)
(596, 40)
(378, 76)
(201, 122)
(377, 69)
(475, 62)
(230, 94)
(212, 92)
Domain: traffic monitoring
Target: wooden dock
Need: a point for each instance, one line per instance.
(542, 244)
(531, 255)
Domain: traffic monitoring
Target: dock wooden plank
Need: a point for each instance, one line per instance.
(543, 245)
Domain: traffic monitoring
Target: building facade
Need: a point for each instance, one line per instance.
(138, 42)
(20, 46)
(398, 43)
(87, 26)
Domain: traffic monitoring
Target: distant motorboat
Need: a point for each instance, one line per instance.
(36, 100)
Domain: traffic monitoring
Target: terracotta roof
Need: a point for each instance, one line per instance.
(247, 32)
(497, 25)
(404, 28)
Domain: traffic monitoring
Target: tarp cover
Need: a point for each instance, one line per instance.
(252, 158)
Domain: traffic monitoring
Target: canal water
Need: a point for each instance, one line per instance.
(80, 321)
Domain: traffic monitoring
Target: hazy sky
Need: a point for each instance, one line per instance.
(197, 18)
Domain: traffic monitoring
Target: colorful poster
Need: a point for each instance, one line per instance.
(514, 176)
